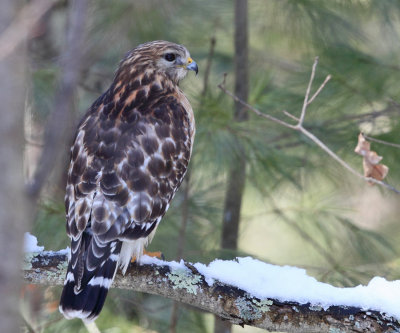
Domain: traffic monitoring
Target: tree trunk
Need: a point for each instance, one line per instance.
(59, 124)
(237, 173)
(14, 216)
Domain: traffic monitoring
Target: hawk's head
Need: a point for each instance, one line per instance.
(172, 60)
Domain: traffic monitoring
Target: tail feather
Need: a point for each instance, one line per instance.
(85, 300)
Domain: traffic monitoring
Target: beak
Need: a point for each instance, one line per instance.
(191, 65)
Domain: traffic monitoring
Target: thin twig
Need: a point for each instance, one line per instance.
(305, 104)
(381, 141)
(319, 89)
(256, 111)
(299, 126)
(319, 143)
(343, 163)
(290, 115)
(364, 116)
(208, 65)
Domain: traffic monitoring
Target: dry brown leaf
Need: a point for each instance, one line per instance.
(363, 146)
(370, 160)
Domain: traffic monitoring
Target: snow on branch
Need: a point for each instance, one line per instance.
(249, 292)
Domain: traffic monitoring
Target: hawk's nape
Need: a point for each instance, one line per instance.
(130, 155)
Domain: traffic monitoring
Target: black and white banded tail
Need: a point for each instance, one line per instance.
(85, 291)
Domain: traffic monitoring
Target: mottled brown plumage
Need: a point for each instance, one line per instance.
(129, 157)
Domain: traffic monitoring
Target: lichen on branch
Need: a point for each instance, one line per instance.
(185, 284)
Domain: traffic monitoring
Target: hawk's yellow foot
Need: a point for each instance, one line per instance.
(156, 254)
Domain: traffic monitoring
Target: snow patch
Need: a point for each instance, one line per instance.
(31, 246)
(66, 251)
(147, 260)
(31, 243)
(286, 283)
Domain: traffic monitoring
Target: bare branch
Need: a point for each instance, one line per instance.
(299, 126)
(305, 104)
(381, 141)
(210, 56)
(290, 115)
(328, 77)
(256, 111)
(228, 302)
(343, 163)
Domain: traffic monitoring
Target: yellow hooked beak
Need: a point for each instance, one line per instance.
(191, 65)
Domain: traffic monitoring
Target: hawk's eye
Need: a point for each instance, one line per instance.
(169, 57)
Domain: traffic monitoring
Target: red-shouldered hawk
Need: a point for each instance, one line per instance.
(129, 157)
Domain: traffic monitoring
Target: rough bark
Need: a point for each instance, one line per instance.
(13, 206)
(237, 173)
(230, 303)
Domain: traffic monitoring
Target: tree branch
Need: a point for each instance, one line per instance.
(299, 125)
(391, 144)
(306, 103)
(228, 302)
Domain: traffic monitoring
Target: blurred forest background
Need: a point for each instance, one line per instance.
(299, 207)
